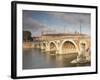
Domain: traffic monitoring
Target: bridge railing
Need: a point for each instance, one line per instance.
(65, 37)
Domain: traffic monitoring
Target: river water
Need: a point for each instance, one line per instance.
(36, 59)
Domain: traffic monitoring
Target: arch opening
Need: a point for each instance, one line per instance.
(53, 48)
(68, 47)
(44, 45)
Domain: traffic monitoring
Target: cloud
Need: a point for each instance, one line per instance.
(58, 19)
(72, 18)
(32, 25)
(29, 23)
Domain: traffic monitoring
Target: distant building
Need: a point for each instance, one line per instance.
(36, 39)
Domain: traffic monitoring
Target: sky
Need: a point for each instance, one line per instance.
(55, 22)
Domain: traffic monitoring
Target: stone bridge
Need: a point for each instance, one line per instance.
(70, 43)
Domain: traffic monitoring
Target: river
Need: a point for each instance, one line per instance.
(36, 59)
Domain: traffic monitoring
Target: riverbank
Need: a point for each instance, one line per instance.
(27, 45)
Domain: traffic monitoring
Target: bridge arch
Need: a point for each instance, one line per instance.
(53, 46)
(44, 44)
(69, 46)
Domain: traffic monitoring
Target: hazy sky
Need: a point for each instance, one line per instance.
(56, 22)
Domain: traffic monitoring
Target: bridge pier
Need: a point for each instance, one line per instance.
(81, 58)
(47, 49)
(59, 51)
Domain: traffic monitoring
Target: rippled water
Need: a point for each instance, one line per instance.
(35, 58)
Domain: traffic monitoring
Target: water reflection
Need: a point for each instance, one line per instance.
(35, 58)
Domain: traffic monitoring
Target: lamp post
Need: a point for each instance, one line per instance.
(64, 29)
(80, 27)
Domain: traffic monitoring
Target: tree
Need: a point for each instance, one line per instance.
(27, 36)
